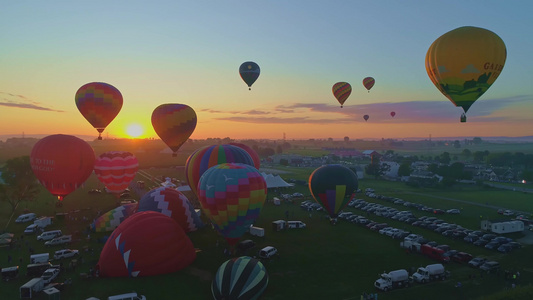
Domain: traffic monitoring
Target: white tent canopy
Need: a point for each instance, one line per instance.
(272, 181)
(275, 181)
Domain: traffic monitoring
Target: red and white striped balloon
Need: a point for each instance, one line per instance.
(116, 169)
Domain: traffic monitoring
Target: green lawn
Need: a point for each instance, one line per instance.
(319, 262)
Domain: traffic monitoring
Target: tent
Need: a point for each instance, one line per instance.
(275, 181)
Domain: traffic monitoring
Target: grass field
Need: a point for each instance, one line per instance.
(319, 262)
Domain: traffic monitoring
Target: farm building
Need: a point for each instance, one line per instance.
(502, 227)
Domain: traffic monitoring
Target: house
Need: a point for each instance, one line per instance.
(502, 226)
(370, 153)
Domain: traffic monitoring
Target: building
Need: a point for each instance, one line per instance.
(502, 226)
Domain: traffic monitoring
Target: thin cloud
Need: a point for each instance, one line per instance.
(430, 111)
(20, 101)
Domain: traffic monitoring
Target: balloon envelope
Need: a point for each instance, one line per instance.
(252, 152)
(333, 186)
(249, 72)
(111, 219)
(368, 83)
(116, 169)
(174, 204)
(174, 124)
(62, 163)
(341, 91)
(146, 244)
(464, 63)
(204, 158)
(99, 103)
(241, 278)
(231, 196)
(392, 114)
(366, 117)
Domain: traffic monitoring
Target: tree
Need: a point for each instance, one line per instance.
(20, 184)
(466, 153)
(445, 158)
(279, 150)
(404, 169)
(456, 144)
(376, 168)
(346, 139)
(477, 140)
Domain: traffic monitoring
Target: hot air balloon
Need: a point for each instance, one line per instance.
(368, 82)
(99, 103)
(341, 91)
(174, 124)
(464, 63)
(333, 186)
(252, 152)
(116, 169)
(174, 204)
(241, 278)
(249, 72)
(62, 163)
(111, 219)
(366, 117)
(204, 158)
(231, 196)
(147, 243)
(392, 114)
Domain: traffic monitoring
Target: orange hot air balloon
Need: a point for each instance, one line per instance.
(366, 117)
(174, 124)
(464, 63)
(62, 163)
(99, 103)
(341, 91)
(368, 82)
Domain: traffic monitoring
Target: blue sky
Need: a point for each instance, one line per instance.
(189, 52)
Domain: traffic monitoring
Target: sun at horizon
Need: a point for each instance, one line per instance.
(134, 130)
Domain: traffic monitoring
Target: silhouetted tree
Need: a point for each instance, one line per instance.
(20, 184)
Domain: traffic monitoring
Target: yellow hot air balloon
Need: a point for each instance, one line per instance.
(464, 63)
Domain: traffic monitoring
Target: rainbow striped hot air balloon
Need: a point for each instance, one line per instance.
(174, 124)
(333, 186)
(341, 91)
(209, 156)
(240, 278)
(99, 103)
(111, 219)
(232, 196)
(116, 169)
(369, 82)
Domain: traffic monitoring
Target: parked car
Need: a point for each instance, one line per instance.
(462, 257)
(50, 274)
(64, 239)
(476, 262)
(481, 242)
(267, 252)
(65, 253)
(492, 245)
(490, 266)
(438, 211)
(453, 211)
(505, 248)
(243, 246)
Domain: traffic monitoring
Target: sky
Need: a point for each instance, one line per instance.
(189, 52)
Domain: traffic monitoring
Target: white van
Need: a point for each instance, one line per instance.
(295, 224)
(39, 258)
(128, 296)
(268, 252)
(48, 235)
(25, 218)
